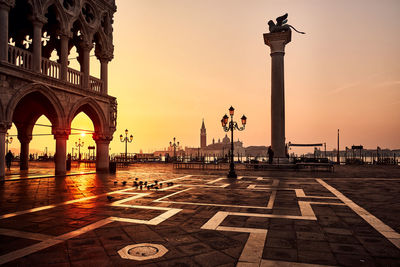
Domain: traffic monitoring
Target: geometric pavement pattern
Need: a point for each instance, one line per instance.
(203, 220)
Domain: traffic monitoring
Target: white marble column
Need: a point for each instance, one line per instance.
(64, 57)
(37, 45)
(61, 151)
(4, 10)
(277, 43)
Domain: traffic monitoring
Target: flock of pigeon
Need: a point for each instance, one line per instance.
(140, 184)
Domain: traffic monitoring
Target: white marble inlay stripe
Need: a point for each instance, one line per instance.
(380, 226)
(23, 234)
(216, 180)
(50, 242)
(271, 200)
(300, 193)
(170, 195)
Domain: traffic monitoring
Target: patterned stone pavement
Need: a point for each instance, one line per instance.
(201, 220)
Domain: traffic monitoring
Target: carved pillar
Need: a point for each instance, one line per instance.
(84, 51)
(277, 43)
(37, 45)
(60, 156)
(104, 75)
(4, 10)
(24, 155)
(102, 150)
(64, 57)
(3, 130)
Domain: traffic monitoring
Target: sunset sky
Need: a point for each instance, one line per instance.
(179, 61)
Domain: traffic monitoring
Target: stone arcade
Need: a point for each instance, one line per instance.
(31, 85)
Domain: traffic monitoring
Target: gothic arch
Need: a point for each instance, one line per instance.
(61, 15)
(92, 109)
(43, 91)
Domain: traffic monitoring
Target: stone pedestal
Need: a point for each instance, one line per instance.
(277, 43)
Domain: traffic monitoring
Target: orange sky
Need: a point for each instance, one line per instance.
(178, 61)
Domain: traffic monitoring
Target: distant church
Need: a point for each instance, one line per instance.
(219, 149)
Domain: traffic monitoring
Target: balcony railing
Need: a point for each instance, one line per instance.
(75, 77)
(51, 68)
(20, 57)
(95, 84)
(24, 59)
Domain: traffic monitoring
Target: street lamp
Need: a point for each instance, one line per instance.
(231, 127)
(8, 141)
(79, 144)
(126, 140)
(174, 145)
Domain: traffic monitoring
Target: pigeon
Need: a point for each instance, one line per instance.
(156, 187)
(145, 183)
(110, 198)
(156, 182)
(148, 187)
(115, 182)
(160, 185)
(141, 187)
(124, 182)
(136, 179)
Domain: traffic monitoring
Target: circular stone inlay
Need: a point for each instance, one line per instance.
(141, 252)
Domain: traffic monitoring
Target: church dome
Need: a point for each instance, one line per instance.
(226, 139)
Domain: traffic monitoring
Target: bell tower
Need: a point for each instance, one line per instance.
(203, 135)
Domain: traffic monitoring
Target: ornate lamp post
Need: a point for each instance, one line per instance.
(8, 141)
(174, 145)
(126, 140)
(231, 127)
(79, 144)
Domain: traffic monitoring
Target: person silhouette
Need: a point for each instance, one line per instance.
(270, 155)
(9, 159)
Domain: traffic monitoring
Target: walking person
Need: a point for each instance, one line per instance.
(9, 159)
(270, 155)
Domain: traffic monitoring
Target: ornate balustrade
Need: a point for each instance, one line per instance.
(51, 68)
(95, 84)
(20, 57)
(75, 77)
(24, 59)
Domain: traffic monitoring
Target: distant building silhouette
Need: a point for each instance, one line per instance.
(203, 136)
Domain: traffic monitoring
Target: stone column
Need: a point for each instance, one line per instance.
(3, 130)
(64, 57)
(4, 10)
(104, 75)
(24, 155)
(61, 151)
(84, 52)
(277, 43)
(37, 45)
(102, 150)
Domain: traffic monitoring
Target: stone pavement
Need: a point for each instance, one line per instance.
(200, 220)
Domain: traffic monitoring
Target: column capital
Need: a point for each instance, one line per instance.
(85, 46)
(277, 40)
(102, 138)
(23, 138)
(7, 4)
(38, 20)
(61, 133)
(4, 126)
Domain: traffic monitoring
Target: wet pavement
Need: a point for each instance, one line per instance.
(200, 220)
